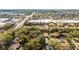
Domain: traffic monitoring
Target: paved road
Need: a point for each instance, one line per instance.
(21, 24)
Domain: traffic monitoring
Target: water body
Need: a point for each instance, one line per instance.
(53, 21)
(4, 21)
(40, 21)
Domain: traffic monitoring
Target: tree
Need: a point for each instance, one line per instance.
(7, 26)
(74, 33)
(55, 44)
(6, 36)
(23, 30)
(6, 39)
(33, 44)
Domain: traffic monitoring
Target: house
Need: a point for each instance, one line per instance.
(46, 35)
(56, 34)
(65, 45)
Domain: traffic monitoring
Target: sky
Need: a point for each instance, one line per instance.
(39, 4)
